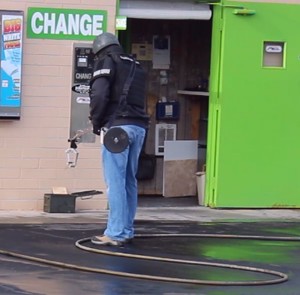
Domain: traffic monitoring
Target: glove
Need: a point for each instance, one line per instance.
(96, 130)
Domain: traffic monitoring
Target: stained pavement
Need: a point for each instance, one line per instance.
(52, 236)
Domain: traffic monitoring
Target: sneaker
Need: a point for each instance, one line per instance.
(106, 241)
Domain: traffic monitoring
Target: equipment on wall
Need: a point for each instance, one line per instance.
(82, 66)
(167, 110)
(163, 132)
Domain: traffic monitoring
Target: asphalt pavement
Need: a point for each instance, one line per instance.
(32, 241)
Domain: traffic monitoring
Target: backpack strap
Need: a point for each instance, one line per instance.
(126, 88)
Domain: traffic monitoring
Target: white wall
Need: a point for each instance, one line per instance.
(32, 150)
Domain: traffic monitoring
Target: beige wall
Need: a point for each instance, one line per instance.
(32, 150)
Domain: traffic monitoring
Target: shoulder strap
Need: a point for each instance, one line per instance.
(126, 88)
(128, 83)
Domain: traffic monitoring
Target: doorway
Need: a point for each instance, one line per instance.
(184, 81)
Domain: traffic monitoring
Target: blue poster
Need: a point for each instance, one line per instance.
(11, 61)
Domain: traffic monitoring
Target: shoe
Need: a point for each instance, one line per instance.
(106, 241)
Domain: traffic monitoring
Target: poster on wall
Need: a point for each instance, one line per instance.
(11, 65)
(142, 51)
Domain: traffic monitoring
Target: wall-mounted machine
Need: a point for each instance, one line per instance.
(163, 132)
(83, 59)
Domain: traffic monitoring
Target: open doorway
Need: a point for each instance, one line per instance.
(182, 78)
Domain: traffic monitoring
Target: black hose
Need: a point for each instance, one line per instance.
(280, 277)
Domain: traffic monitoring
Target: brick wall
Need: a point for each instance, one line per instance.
(32, 150)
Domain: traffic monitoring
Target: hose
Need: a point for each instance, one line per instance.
(280, 277)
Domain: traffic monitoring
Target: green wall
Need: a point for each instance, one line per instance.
(254, 138)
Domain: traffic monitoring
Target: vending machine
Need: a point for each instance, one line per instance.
(83, 58)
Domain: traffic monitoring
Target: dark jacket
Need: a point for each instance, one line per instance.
(111, 70)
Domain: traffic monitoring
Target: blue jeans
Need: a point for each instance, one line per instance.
(120, 176)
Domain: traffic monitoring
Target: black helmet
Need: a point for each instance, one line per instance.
(104, 40)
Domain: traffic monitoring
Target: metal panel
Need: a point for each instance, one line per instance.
(180, 167)
(164, 9)
(82, 73)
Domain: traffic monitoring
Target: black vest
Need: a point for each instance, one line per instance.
(116, 67)
(136, 94)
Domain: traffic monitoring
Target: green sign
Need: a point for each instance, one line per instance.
(66, 24)
(121, 23)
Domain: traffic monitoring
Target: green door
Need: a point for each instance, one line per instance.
(254, 121)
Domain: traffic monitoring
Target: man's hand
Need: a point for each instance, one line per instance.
(96, 130)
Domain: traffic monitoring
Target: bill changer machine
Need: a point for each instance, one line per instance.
(82, 73)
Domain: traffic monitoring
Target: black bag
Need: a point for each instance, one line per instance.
(146, 167)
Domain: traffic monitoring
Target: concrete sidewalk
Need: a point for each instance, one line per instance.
(187, 213)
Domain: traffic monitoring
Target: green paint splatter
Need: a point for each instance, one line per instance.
(270, 252)
(287, 231)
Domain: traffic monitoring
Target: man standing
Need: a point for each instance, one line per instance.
(117, 93)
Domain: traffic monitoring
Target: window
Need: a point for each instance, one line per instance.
(273, 54)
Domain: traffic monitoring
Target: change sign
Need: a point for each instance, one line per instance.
(67, 24)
